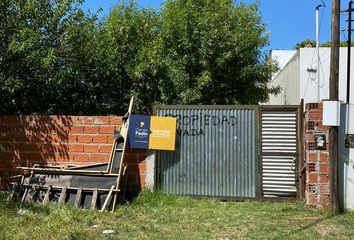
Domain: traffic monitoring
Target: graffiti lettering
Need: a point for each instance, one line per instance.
(205, 120)
(191, 132)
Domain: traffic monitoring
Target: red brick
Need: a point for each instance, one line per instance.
(84, 139)
(320, 105)
(141, 178)
(115, 120)
(315, 115)
(324, 199)
(312, 178)
(72, 138)
(80, 157)
(87, 120)
(7, 164)
(91, 148)
(76, 129)
(324, 157)
(324, 168)
(82, 120)
(106, 130)
(91, 129)
(8, 137)
(9, 156)
(324, 188)
(312, 200)
(105, 149)
(324, 178)
(310, 137)
(10, 119)
(100, 139)
(76, 148)
(98, 158)
(110, 139)
(104, 120)
(142, 168)
(322, 128)
(312, 157)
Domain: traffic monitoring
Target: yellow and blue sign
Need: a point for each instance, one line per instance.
(162, 133)
(152, 132)
(138, 132)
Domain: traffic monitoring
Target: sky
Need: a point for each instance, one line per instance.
(288, 21)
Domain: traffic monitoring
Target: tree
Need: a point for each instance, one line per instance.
(213, 50)
(133, 41)
(308, 43)
(57, 59)
(341, 44)
(38, 73)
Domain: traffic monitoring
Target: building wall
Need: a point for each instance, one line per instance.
(287, 79)
(300, 81)
(282, 57)
(316, 161)
(61, 140)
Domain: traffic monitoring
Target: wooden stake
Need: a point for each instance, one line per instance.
(78, 197)
(62, 195)
(107, 199)
(46, 196)
(94, 199)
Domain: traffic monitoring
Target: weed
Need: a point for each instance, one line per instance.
(160, 216)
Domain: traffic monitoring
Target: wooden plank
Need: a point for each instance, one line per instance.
(78, 197)
(13, 190)
(24, 195)
(62, 195)
(107, 199)
(94, 199)
(47, 194)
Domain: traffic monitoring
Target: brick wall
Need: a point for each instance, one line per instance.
(317, 165)
(59, 140)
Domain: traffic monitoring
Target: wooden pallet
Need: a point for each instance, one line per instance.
(62, 189)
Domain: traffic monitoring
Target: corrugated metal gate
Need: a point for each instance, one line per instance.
(222, 151)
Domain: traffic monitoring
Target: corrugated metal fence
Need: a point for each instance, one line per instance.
(218, 152)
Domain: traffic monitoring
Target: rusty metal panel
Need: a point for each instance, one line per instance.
(279, 140)
(216, 152)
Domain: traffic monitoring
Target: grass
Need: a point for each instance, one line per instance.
(159, 216)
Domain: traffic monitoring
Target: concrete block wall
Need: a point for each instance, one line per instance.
(317, 164)
(60, 140)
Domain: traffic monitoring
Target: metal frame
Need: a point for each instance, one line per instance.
(279, 108)
(258, 131)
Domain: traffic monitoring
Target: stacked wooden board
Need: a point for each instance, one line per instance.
(94, 186)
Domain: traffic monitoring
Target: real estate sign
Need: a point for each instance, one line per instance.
(152, 132)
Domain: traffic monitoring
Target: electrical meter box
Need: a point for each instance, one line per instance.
(320, 142)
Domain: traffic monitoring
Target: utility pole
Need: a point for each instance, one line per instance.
(333, 85)
(349, 48)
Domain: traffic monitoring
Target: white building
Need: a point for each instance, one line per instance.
(298, 78)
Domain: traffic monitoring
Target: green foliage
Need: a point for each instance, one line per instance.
(312, 43)
(44, 57)
(308, 43)
(213, 51)
(57, 59)
(341, 44)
